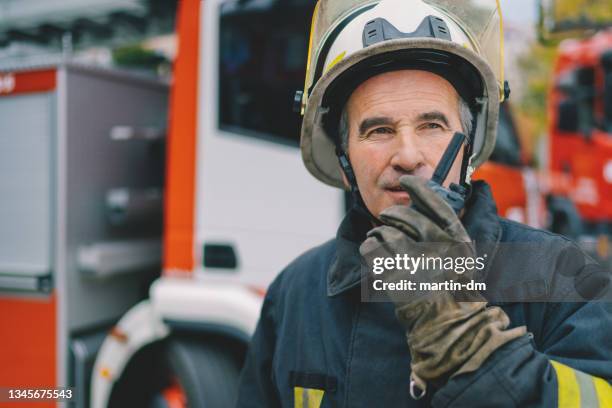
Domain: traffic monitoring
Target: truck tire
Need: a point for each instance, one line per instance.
(207, 369)
(146, 374)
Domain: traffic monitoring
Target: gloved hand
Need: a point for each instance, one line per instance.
(446, 336)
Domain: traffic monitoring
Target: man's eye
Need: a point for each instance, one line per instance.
(381, 131)
(432, 125)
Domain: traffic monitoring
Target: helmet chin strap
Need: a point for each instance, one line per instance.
(465, 176)
(347, 168)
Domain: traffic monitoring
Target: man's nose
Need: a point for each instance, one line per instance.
(408, 156)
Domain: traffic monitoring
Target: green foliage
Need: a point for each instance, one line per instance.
(135, 56)
(595, 11)
(537, 67)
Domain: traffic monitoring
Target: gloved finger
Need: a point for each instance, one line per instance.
(383, 239)
(427, 201)
(389, 241)
(414, 224)
(386, 242)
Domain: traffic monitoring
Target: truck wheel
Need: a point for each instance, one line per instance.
(207, 369)
(143, 379)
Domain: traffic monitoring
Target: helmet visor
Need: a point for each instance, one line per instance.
(481, 21)
(328, 15)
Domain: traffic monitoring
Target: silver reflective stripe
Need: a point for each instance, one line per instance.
(588, 394)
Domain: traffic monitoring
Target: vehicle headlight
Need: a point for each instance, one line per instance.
(607, 171)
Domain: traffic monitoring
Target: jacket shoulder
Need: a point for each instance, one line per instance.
(307, 270)
(513, 231)
(533, 264)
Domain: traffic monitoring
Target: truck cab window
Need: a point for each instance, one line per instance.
(507, 146)
(577, 110)
(263, 52)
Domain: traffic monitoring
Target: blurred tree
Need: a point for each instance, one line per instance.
(137, 57)
(538, 63)
(536, 66)
(592, 11)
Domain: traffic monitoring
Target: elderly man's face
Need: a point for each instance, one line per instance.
(400, 123)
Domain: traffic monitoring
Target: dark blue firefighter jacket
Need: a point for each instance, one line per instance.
(317, 344)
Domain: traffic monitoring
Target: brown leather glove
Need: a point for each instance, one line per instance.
(446, 337)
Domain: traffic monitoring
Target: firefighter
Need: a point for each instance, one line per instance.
(389, 85)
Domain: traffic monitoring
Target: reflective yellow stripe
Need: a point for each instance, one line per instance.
(298, 393)
(567, 386)
(307, 397)
(578, 389)
(336, 60)
(604, 392)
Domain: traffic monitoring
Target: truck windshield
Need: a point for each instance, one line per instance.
(262, 61)
(507, 146)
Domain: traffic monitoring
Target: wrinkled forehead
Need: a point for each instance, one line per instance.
(403, 92)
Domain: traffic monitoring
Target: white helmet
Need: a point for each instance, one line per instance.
(353, 40)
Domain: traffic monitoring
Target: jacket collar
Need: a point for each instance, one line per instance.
(480, 221)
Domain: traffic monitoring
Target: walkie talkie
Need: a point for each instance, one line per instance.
(455, 196)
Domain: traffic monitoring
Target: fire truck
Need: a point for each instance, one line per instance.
(580, 117)
(103, 188)
(580, 127)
